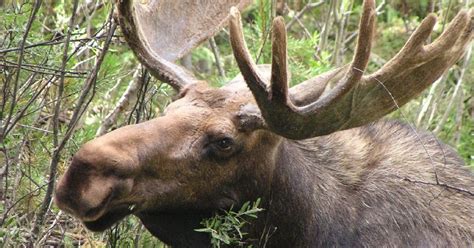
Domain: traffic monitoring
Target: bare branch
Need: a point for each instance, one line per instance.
(128, 97)
(306, 8)
(55, 159)
(31, 19)
(217, 57)
(456, 93)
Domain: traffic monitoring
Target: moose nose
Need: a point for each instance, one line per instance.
(100, 173)
(68, 193)
(80, 193)
(70, 186)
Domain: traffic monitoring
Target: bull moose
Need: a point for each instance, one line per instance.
(328, 171)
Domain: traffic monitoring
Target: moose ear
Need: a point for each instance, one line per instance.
(249, 118)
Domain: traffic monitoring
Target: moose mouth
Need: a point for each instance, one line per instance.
(109, 218)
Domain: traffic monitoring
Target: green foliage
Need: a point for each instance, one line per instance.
(465, 147)
(130, 233)
(227, 228)
(302, 63)
(29, 146)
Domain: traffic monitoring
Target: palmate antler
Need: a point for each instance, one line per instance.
(356, 99)
(161, 32)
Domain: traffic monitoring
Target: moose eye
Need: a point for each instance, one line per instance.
(221, 149)
(225, 144)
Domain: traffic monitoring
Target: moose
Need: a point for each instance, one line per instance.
(328, 172)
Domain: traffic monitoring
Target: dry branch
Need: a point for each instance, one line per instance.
(127, 99)
(306, 8)
(55, 159)
(457, 89)
(217, 57)
(31, 19)
(81, 106)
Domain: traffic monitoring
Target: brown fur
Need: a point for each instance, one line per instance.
(370, 186)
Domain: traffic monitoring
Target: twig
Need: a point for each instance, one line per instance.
(307, 7)
(55, 159)
(325, 32)
(140, 106)
(56, 72)
(16, 161)
(380, 7)
(354, 34)
(417, 135)
(4, 173)
(445, 21)
(90, 82)
(88, 10)
(56, 41)
(458, 119)
(125, 101)
(5, 125)
(427, 100)
(217, 57)
(48, 232)
(266, 27)
(10, 126)
(35, 128)
(341, 32)
(457, 88)
(7, 211)
(306, 31)
(20, 62)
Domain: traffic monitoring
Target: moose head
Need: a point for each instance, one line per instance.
(214, 148)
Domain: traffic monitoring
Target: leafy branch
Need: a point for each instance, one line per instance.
(227, 228)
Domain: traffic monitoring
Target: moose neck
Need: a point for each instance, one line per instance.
(306, 197)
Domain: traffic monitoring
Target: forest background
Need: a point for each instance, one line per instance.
(67, 75)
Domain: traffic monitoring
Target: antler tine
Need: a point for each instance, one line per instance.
(468, 33)
(279, 78)
(415, 44)
(358, 65)
(412, 70)
(276, 105)
(405, 76)
(356, 99)
(449, 37)
(246, 65)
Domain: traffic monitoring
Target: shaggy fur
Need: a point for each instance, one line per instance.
(371, 186)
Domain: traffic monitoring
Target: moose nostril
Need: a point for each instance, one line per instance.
(66, 201)
(91, 213)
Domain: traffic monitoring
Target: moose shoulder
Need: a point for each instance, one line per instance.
(327, 174)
